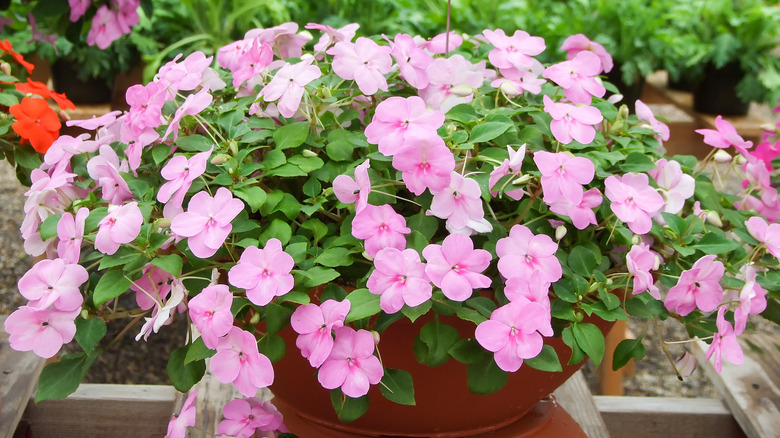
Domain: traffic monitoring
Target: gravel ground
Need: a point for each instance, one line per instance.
(146, 363)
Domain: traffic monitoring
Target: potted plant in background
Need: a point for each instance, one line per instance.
(306, 206)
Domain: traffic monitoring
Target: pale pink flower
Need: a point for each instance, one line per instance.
(105, 28)
(578, 43)
(686, 364)
(768, 234)
(510, 166)
(515, 51)
(104, 169)
(153, 286)
(70, 232)
(522, 253)
(751, 298)
(724, 135)
(674, 185)
(365, 62)
(164, 311)
(349, 190)
(633, 200)
(314, 325)
(206, 224)
(532, 288)
(243, 417)
(284, 39)
(288, 85)
(351, 364)
(177, 427)
(581, 215)
(54, 283)
(193, 105)
(42, 331)
(645, 114)
(639, 262)
(229, 56)
(185, 75)
(577, 77)
(210, 312)
(697, 287)
(78, 8)
(563, 175)
(459, 202)
(179, 174)
(239, 361)
(456, 267)
(145, 114)
(412, 60)
(724, 344)
(439, 44)
(332, 36)
(517, 80)
(127, 14)
(380, 227)
(264, 273)
(425, 162)
(446, 76)
(121, 225)
(514, 332)
(572, 122)
(254, 59)
(397, 119)
(399, 278)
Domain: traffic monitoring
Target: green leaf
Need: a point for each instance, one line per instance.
(637, 162)
(467, 351)
(239, 304)
(397, 386)
(339, 150)
(26, 157)
(431, 346)
(89, 332)
(319, 275)
(675, 223)
(485, 377)
(577, 354)
(49, 226)
(124, 256)
(184, 376)
(194, 143)
(8, 99)
(417, 311)
(273, 347)
(362, 304)
(348, 409)
(292, 135)
(312, 187)
(713, 243)
(468, 314)
(582, 261)
(60, 379)
(161, 152)
(198, 351)
(488, 131)
(546, 360)
(111, 285)
(306, 164)
(171, 263)
(463, 113)
(626, 350)
(590, 339)
(273, 159)
(277, 317)
(334, 256)
(254, 196)
(277, 229)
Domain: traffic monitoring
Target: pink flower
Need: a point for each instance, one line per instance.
(531, 288)
(193, 104)
(645, 114)
(152, 288)
(425, 162)
(264, 273)
(284, 39)
(105, 28)
(518, 80)
(674, 185)
(252, 61)
(121, 225)
(163, 311)
(633, 200)
(351, 364)
(769, 235)
(581, 215)
(563, 175)
(514, 51)
(412, 60)
(381, 227)
(724, 344)
(127, 14)
(210, 312)
(365, 62)
(522, 253)
(288, 85)
(78, 8)
(54, 283)
(42, 331)
(104, 169)
(639, 262)
(207, 222)
(514, 332)
(459, 202)
(238, 361)
(244, 416)
(179, 173)
(349, 190)
(446, 76)
(399, 277)
(577, 77)
(439, 45)
(332, 36)
(697, 287)
(510, 166)
(455, 266)
(70, 231)
(724, 135)
(572, 122)
(177, 427)
(578, 43)
(751, 298)
(397, 119)
(314, 325)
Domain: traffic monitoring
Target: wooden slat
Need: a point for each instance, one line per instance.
(576, 398)
(651, 417)
(751, 389)
(19, 371)
(102, 410)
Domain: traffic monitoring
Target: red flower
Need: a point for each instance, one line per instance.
(40, 89)
(36, 122)
(5, 46)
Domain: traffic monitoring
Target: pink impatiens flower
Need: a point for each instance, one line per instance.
(239, 361)
(697, 287)
(351, 364)
(210, 312)
(451, 81)
(243, 417)
(575, 44)
(674, 185)
(724, 344)
(514, 51)
(264, 273)
(177, 427)
(288, 85)
(164, 310)
(459, 203)
(581, 215)
(425, 162)
(572, 122)
(206, 224)
(349, 190)
(751, 298)
(104, 169)
(365, 62)
(518, 80)
(577, 77)
(399, 278)
(105, 28)
(724, 135)
(332, 36)
(54, 283)
(639, 262)
(645, 114)
(42, 331)
(522, 253)
(397, 119)
(563, 175)
(77, 9)
(510, 166)
(70, 231)
(412, 60)
(314, 325)
(381, 227)
(121, 225)
(768, 234)
(180, 172)
(455, 266)
(633, 200)
(514, 332)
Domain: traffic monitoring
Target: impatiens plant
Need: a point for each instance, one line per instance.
(343, 190)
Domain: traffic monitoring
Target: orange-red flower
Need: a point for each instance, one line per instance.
(39, 88)
(36, 122)
(5, 46)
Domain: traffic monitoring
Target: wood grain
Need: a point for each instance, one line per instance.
(576, 398)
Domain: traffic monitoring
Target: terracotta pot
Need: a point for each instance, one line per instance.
(444, 405)
(65, 80)
(717, 91)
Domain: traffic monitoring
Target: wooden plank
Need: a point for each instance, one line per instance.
(751, 389)
(576, 398)
(103, 410)
(650, 417)
(19, 377)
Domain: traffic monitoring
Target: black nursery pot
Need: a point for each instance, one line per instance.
(64, 75)
(631, 93)
(716, 93)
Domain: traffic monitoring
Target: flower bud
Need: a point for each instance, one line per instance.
(618, 125)
(623, 110)
(741, 160)
(219, 159)
(722, 156)
(714, 219)
(636, 239)
(657, 264)
(308, 153)
(163, 222)
(560, 232)
(685, 365)
(326, 94)
(5, 67)
(615, 98)
(255, 318)
(768, 127)
(215, 276)
(522, 180)
(462, 90)
(84, 314)
(375, 334)
(508, 88)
